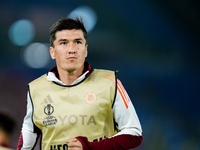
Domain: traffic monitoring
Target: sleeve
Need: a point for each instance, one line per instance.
(28, 136)
(130, 135)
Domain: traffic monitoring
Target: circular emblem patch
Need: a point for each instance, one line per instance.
(90, 98)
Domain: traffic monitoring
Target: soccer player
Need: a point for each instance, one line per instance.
(75, 106)
(7, 125)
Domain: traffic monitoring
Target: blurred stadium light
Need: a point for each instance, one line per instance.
(21, 32)
(87, 14)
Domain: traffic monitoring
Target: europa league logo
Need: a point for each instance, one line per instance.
(48, 110)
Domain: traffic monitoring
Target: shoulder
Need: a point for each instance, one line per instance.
(39, 79)
(102, 77)
(103, 71)
(5, 148)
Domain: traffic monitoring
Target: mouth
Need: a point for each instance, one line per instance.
(71, 58)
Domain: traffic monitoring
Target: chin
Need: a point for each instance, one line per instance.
(70, 69)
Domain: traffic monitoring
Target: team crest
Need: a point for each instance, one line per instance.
(90, 98)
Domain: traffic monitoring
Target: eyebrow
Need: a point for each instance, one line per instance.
(61, 40)
(78, 39)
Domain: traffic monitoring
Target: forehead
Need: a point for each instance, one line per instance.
(69, 34)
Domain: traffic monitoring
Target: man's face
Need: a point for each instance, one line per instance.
(69, 50)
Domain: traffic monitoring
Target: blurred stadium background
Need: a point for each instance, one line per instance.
(155, 46)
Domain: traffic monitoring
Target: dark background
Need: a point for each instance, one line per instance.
(153, 44)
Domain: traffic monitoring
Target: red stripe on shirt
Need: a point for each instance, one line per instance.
(123, 93)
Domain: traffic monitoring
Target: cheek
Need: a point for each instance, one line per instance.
(84, 54)
(59, 53)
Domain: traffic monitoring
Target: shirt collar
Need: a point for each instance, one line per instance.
(53, 73)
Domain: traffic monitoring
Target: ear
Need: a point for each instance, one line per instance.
(52, 53)
(86, 52)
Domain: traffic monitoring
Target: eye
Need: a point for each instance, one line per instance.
(78, 42)
(63, 43)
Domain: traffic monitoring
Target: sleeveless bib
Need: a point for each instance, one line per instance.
(64, 112)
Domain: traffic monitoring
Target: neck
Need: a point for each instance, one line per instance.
(68, 77)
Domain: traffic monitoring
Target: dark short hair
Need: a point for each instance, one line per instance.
(66, 24)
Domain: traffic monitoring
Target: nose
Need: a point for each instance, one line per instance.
(72, 48)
